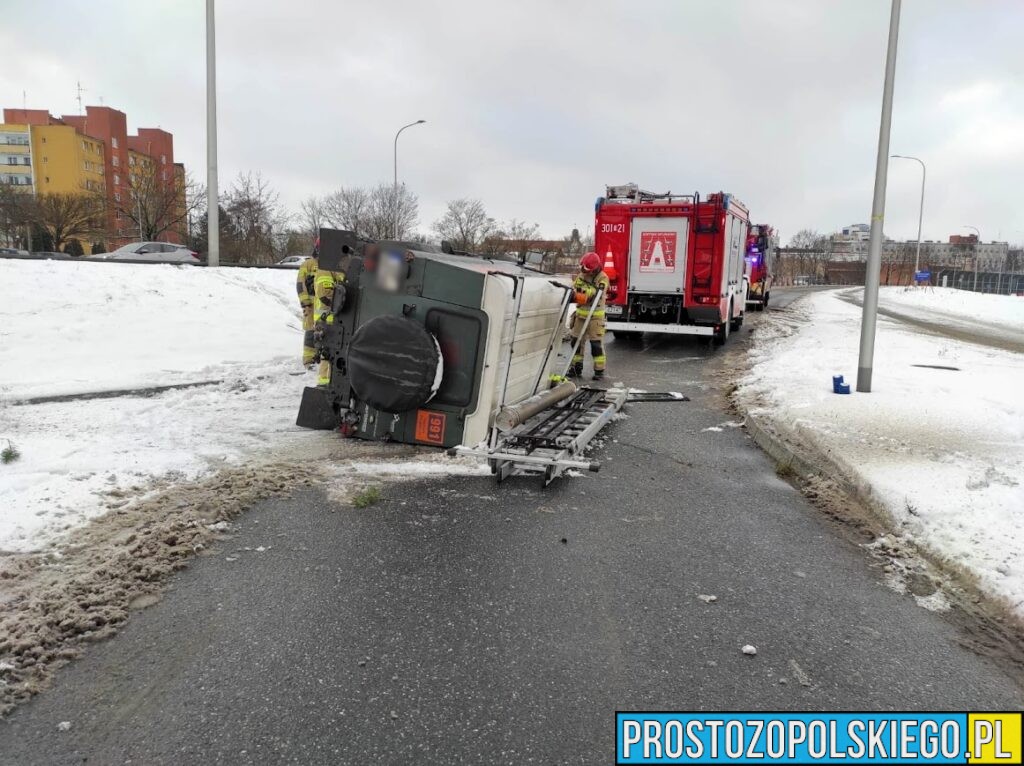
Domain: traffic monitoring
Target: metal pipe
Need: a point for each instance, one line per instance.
(977, 234)
(516, 414)
(874, 266)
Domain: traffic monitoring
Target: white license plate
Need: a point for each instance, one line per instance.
(613, 311)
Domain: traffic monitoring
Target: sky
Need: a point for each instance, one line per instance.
(534, 107)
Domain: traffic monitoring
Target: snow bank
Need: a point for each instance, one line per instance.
(944, 304)
(69, 328)
(942, 448)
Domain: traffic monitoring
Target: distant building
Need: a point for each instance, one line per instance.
(87, 153)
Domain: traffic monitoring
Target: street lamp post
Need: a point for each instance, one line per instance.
(212, 209)
(978, 242)
(411, 124)
(865, 360)
(920, 212)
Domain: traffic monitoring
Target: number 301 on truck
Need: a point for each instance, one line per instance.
(675, 262)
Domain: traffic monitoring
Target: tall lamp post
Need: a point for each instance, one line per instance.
(212, 210)
(411, 124)
(865, 359)
(978, 235)
(920, 212)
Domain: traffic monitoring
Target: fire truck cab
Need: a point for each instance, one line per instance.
(761, 245)
(675, 262)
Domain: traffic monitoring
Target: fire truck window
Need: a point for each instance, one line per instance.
(459, 338)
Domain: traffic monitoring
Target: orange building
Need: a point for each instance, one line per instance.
(97, 152)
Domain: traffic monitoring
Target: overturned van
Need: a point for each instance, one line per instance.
(426, 346)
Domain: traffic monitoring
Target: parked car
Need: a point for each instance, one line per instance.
(292, 261)
(157, 252)
(12, 251)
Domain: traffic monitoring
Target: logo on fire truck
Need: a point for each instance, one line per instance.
(658, 251)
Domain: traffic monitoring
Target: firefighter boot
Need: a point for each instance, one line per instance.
(598, 374)
(575, 370)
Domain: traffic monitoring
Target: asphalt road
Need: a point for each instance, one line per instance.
(462, 622)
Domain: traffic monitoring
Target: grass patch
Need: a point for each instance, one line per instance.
(9, 453)
(367, 497)
(785, 470)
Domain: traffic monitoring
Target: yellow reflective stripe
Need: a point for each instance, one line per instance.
(600, 359)
(322, 381)
(325, 281)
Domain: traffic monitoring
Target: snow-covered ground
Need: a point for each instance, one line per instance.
(1004, 311)
(942, 449)
(71, 328)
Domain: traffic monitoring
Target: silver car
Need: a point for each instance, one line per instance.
(292, 261)
(156, 252)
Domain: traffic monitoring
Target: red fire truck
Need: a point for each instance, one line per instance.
(761, 244)
(675, 262)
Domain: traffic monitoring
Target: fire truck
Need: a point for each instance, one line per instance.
(675, 262)
(761, 244)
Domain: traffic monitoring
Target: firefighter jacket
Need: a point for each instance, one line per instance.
(304, 282)
(587, 285)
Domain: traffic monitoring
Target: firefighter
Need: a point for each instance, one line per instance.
(325, 286)
(304, 285)
(587, 284)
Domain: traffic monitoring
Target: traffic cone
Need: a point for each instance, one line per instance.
(609, 266)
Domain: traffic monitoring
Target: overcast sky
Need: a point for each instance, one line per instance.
(534, 106)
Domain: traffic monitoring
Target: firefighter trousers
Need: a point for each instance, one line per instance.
(594, 334)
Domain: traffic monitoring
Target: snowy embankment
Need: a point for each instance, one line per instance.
(939, 441)
(80, 328)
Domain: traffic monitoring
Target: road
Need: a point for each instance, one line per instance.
(462, 622)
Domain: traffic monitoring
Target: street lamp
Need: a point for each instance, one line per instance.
(411, 124)
(920, 213)
(978, 235)
(212, 209)
(865, 359)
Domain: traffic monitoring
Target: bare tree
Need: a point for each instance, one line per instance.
(312, 214)
(465, 224)
(16, 212)
(67, 215)
(348, 209)
(154, 200)
(392, 214)
(805, 239)
(257, 219)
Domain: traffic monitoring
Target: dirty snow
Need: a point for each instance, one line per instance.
(943, 450)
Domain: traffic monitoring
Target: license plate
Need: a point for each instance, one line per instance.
(613, 311)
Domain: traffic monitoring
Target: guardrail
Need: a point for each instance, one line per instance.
(90, 259)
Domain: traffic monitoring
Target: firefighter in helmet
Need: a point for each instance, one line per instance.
(304, 285)
(328, 297)
(588, 283)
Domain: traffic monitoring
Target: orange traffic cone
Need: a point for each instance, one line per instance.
(609, 266)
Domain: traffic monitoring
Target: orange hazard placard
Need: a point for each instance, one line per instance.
(430, 426)
(658, 251)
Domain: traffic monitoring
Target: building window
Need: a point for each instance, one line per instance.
(115, 161)
(117, 196)
(163, 159)
(117, 180)
(113, 142)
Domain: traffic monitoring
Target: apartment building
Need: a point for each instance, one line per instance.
(86, 153)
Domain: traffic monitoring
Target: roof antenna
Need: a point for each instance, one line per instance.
(24, 101)
(80, 89)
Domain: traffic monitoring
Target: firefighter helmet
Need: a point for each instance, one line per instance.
(590, 262)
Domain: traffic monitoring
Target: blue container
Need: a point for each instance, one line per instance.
(838, 386)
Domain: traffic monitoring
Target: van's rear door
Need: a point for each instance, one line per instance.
(657, 254)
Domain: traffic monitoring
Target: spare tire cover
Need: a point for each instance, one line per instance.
(393, 363)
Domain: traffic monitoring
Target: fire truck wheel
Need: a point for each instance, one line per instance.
(393, 364)
(722, 335)
(736, 323)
